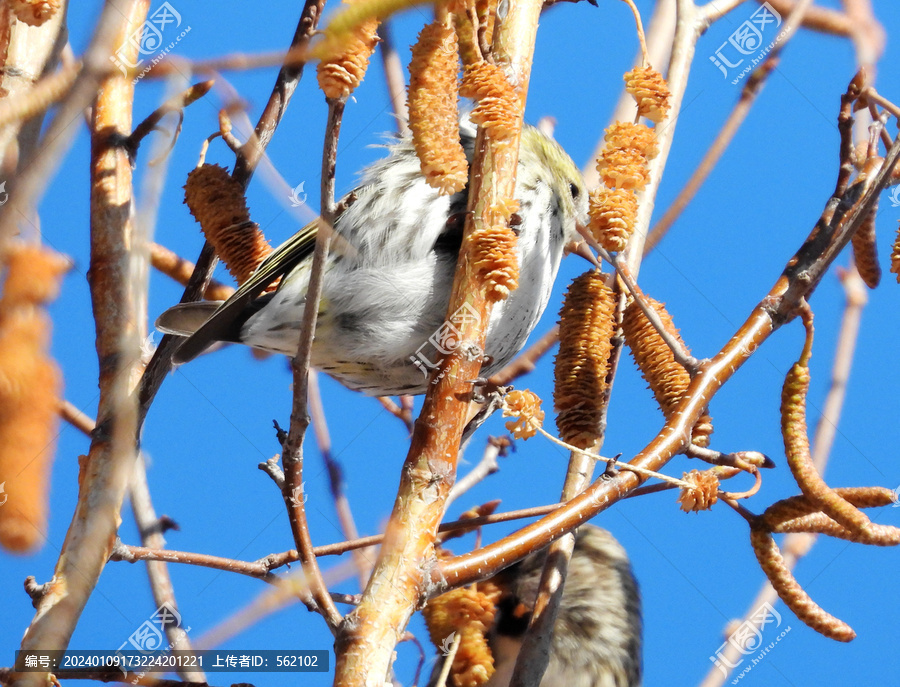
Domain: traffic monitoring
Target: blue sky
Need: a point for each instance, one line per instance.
(212, 421)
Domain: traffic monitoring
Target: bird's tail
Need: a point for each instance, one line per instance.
(186, 318)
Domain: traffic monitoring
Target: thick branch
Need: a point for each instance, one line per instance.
(799, 279)
(366, 642)
(108, 468)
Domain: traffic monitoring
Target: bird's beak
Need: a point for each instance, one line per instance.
(580, 247)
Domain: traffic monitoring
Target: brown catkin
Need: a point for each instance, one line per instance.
(650, 91)
(612, 213)
(865, 250)
(800, 514)
(790, 591)
(586, 327)
(497, 106)
(344, 66)
(639, 137)
(30, 392)
(796, 448)
(469, 613)
(433, 109)
(624, 168)
(34, 12)
(895, 255)
(217, 202)
(525, 407)
(495, 259)
(668, 380)
(703, 493)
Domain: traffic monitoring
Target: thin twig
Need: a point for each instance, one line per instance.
(285, 84)
(180, 269)
(335, 478)
(292, 448)
(402, 414)
(176, 103)
(752, 88)
(158, 572)
(485, 467)
(50, 89)
(716, 9)
(75, 417)
(817, 18)
(111, 675)
(726, 133)
(534, 655)
(393, 77)
(679, 351)
(867, 33)
(615, 462)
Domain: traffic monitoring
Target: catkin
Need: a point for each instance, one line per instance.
(627, 135)
(525, 407)
(796, 447)
(34, 12)
(217, 202)
(30, 391)
(612, 213)
(494, 251)
(895, 256)
(790, 591)
(344, 65)
(433, 109)
(586, 327)
(650, 91)
(668, 380)
(498, 108)
(470, 613)
(494, 257)
(703, 493)
(624, 168)
(865, 250)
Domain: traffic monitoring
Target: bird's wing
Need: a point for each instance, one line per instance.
(223, 320)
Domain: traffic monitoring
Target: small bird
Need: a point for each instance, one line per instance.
(597, 636)
(381, 325)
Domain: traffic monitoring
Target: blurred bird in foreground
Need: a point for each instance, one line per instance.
(597, 636)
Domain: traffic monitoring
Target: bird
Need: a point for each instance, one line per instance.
(381, 325)
(597, 636)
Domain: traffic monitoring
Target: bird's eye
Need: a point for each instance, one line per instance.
(573, 189)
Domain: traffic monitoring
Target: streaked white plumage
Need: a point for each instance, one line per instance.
(388, 279)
